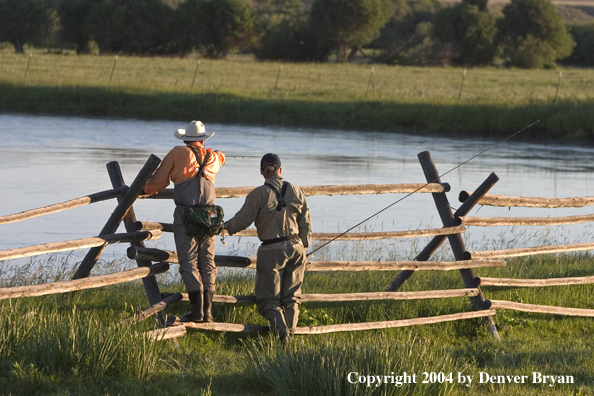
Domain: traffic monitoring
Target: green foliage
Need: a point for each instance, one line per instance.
(533, 34)
(350, 24)
(471, 30)
(293, 39)
(73, 15)
(583, 53)
(216, 27)
(407, 37)
(23, 22)
(134, 27)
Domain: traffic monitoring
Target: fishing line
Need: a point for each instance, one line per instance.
(423, 186)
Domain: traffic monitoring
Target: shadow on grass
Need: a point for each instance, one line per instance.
(566, 121)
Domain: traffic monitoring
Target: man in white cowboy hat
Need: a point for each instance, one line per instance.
(192, 186)
(281, 215)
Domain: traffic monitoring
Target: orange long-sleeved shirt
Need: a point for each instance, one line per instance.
(180, 165)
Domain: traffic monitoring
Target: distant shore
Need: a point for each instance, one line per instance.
(440, 101)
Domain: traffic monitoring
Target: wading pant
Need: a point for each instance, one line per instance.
(279, 275)
(196, 257)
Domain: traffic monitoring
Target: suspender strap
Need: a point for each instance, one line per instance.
(280, 196)
(206, 157)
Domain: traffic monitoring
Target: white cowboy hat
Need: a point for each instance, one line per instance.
(194, 132)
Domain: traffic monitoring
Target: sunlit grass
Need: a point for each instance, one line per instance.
(84, 342)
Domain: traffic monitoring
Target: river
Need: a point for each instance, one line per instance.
(48, 159)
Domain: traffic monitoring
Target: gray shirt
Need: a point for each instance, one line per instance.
(260, 208)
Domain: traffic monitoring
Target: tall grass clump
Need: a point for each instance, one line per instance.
(65, 342)
(322, 366)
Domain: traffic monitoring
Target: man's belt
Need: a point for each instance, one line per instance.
(279, 239)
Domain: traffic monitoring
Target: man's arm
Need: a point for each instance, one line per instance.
(246, 215)
(160, 179)
(304, 222)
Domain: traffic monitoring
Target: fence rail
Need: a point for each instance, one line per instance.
(327, 236)
(238, 192)
(530, 251)
(524, 221)
(328, 265)
(414, 295)
(583, 280)
(84, 243)
(241, 328)
(498, 304)
(530, 202)
(59, 207)
(81, 284)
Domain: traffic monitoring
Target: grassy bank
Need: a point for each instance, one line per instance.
(493, 102)
(83, 344)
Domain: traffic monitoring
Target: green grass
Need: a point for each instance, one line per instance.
(83, 343)
(239, 90)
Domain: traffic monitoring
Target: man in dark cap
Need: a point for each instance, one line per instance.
(280, 213)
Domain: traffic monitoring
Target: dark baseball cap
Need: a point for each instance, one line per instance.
(270, 159)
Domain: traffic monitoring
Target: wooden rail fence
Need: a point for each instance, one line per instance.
(534, 202)
(154, 261)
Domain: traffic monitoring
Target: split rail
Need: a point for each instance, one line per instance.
(154, 261)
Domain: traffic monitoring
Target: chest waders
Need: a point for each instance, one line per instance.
(196, 256)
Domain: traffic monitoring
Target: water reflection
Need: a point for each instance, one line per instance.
(46, 160)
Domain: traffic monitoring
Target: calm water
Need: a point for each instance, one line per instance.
(46, 160)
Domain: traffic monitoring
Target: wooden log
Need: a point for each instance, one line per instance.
(150, 282)
(401, 265)
(167, 333)
(81, 284)
(582, 280)
(414, 295)
(74, 244)
(327, 236)
(498, 304)
(330, 265)
(524, 221)
(239, 328)
(457, 244)
(138, 253)
(158, 307)
(529, 251)
(85, 267)
(436, 242)
(59, 207)
(237, 192)
(530, 202)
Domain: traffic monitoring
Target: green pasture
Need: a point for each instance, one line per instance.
(487, 101)
(83, 343)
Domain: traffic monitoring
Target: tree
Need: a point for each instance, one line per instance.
(132, 26)
(583, 54)
(533, 34)
(407, 38)
(471, 29)
(216, 27)
(293, 39)
(23, 21)
(350, 24)
(73, 15)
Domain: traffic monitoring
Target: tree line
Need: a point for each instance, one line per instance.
(524, 33)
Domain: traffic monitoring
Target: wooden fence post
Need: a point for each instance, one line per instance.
(85, 267)
(456, 242)
(150, 282)
(439, 239)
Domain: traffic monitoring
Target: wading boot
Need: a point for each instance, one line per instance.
(195, 315)
(208, 297)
